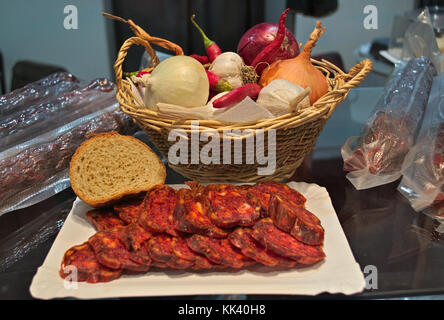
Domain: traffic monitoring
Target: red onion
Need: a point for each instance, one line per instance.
(259, 36)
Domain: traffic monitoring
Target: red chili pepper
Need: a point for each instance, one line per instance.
(141, 73)
(247, 90)
(201, 59)
(211, 47)
(263, 59)
(217, 83)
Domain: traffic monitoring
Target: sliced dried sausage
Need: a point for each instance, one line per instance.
(112, 251)
(242, 239)
(104, 219)
(83, 259)
(229, 206)
(192, 215)
(158, 210)
(129, 211)
(161, 250)
(218, 251)
(136, 236)
(296, 220)
(262, 192)
(284, 244)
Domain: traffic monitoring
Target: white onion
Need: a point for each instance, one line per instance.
(179, 80)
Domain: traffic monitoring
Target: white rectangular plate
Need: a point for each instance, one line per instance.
(338, 273)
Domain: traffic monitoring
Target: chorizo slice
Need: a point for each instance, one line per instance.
(181, 249)
(262, 192)
(129, 210)
(206, 246)
(242, 239)
(161, 249)
(229, 206)
(88, 269)
(104, 219)
(296, 220)
(136, 235)
(218, 251)
(191, 215)
(202, 263)
(284, 244)
(158, 210)
(112, 250)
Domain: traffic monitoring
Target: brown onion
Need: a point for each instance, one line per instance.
(299, 70)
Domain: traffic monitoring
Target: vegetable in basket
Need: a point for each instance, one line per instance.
(211, 47)
(300, 70)
(201, 59)
(230, 67)
(179, 80)
(261, 35)
(281, 96)
(264, 58)
(217, 84)
(248, 90)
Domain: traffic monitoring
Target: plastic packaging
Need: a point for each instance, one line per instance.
(37, 91)
(43, 132)
(87, 103)
(53, 106)
(37, 169)
(420, 40)
(423, 171)
(376, 156)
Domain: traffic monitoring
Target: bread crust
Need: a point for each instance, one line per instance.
(126, 194)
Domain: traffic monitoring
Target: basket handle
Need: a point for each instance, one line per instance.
(352, 79)
(121, 55)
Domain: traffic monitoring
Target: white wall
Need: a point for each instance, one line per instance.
(33, 30)
(344, 28)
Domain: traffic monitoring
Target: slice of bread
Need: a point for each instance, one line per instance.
(110, 166)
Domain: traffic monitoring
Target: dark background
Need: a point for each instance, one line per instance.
(170, 19)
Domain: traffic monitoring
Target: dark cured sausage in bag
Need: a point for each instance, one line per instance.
(376, 156)
(423, 173)
(53, 107)
(27, 171)
(37, 91)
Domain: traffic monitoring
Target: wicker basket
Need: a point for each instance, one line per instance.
(296, 133)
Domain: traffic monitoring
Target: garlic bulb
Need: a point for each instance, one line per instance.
(179, 80)
(228, 66)
(281, 96)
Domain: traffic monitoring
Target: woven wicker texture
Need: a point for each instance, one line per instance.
(296, 133)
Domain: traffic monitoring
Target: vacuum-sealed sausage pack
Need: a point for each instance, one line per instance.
(423, 171)
(36, 149)
(376, 156)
